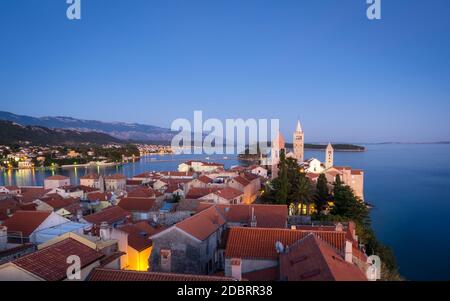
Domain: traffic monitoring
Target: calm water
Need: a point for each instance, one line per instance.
(408, 184)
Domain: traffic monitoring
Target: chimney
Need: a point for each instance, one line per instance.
(253, 222)
(79, 214)
(105, 231)
(352, 229)
(3, 237)
(349, 251)
(236, 268)
(339, 227)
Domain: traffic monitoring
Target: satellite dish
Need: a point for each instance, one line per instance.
(279, 247)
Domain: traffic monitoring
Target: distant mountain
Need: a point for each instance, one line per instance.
(13, 133)
(121, 130)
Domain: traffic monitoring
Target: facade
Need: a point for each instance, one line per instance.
(278, 144)
(329, 156)
(94, 181)
(190, 246)
(56, 181)
(351, 177)
(115, 182)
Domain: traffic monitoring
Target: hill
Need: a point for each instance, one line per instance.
(13, 133)
(120, 130)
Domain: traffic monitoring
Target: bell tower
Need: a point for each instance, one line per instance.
(329, 156)
(277, 145)
(299, 143)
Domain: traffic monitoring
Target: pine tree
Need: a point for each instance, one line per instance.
(282, 182)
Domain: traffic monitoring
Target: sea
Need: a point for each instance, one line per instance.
(408, 185)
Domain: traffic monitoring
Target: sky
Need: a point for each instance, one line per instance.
(348, 79)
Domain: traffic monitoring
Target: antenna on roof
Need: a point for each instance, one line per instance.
(279, 247)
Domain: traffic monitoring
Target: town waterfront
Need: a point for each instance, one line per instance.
(409, 185)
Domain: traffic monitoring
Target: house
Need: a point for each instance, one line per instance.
(141, 192)
(147, 177)
(140, 208)
(65, 207)
(227, 195)
(313, 165)
(312, 259)
(101, 274)
(258, 170)
(254, 250)
(23, 225)
(139, 244)
(115, 182)
(202, 181)
(190, 246)
(199, 166)
(50, 263)
(351, 177)
(249, 184)
(199, 192)
(93, 180)
(13, 190)
(112, 216)
(253, 215)
(56, 181)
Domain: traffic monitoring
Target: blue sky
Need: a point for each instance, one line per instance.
(151, 61)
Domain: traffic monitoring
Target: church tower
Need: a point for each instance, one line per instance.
(329, 156)
(299, 143)
(277, 145)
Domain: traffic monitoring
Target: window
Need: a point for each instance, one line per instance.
(166, 256)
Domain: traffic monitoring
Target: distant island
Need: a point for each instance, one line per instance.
(342, 147)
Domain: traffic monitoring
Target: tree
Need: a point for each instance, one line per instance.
(301, 192)
(322, 194)
(282, 182)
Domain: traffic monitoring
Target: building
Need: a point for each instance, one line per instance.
(115, 182)
(257, 250)
(199, 166)
(227, 195)
(249, 184)
(112, 216)
(139, 244)
(299, 143)
(351, 177)
(278, 145)
(94, 181)
(56, 181)
(253, 215)
(329, 156)
(190, 246)
(140, 208)
(23, 225)
(259, 171)
(50, 263)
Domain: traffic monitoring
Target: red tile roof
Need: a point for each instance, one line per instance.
(115, 177)
(228, 193)
(269, 274)
(267, 216)
(97, 196)
(138, 239)
(313, 259)
(204, 179)
(123, 275)
(260, 242)
(90, 176)
(57, 203)
(50, 263)
(26, 221)
(137, 204)
(203, 224)
(110, 215)
(31, 194)
(177, 173)
(198, 192)
(241, 180)
(142, 192)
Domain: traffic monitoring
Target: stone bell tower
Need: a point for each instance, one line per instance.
(329, 156)
(277, 145)
(299, 143)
